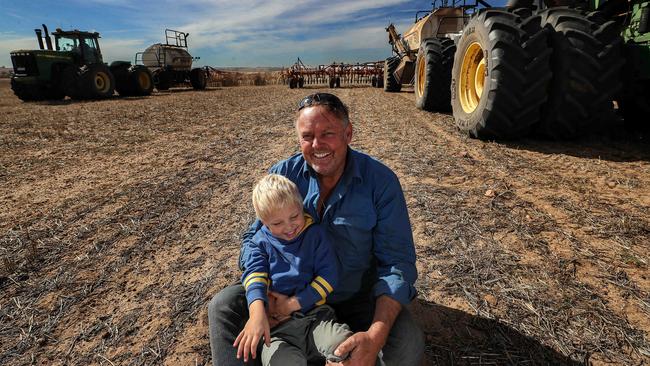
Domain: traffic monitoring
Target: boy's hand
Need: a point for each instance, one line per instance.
(256, 327)
(283, 305)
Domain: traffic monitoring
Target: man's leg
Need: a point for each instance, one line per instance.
(227, 315)
(405, 343)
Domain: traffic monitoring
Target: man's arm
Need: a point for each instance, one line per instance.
(395, 253)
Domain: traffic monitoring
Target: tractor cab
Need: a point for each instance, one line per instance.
(84, 46)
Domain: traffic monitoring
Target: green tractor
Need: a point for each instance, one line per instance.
(556, 68)
(73, 67)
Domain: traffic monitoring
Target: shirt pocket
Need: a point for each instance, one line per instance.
(352, 236)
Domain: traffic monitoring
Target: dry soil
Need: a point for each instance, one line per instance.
(121, 218)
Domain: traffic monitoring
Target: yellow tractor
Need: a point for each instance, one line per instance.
(548, 67)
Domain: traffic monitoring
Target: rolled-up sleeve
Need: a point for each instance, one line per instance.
(393, 243)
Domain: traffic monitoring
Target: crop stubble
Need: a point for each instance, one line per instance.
(121, 218)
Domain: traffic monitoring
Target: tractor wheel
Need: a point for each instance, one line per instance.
(391, 84)
(500, 75)
(164, 80)
(433, 74)
(586, 64)
(337, 82)
(380, 82)
(26, 93)
(332, 82)
(373, 81)
(123, 84)
(141, 80)
(97, 82)
(292, 83)
(301, 82)
(198, 79)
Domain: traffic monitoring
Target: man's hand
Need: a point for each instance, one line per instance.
(256, 327)
(364, 346)
(363, 350)
(283, 305)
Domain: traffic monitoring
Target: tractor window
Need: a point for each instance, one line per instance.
(66, 44)
(89, 49)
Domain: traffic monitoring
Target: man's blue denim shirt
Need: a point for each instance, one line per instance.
(367, 219)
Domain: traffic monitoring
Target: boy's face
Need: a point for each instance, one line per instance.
(285, 222)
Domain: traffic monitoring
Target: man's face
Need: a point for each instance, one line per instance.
(323, 141)
(285, 222)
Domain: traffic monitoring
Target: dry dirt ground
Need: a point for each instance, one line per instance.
(120, 219)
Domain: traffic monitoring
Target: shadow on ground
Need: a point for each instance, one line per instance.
(454, 337)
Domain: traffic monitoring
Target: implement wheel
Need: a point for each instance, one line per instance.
(141, 80)
(433, 74)
(198, 78)
(391, 84)
(500, 75)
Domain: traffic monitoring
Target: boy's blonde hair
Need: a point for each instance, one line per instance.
(274, 192)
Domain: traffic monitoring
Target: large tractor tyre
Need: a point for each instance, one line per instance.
(292, 83)
(433, 74)
(123, 84)
(586, 64)
(96, 82)
(500, 75)
(198, 79)
(27, 93)
(164, 80)
(301, 82)
(391, 84)
(141, 80)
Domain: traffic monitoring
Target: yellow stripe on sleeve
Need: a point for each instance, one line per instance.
(256, 279)
(316, 287)
(320, 302)
(323, 282)
(254, 275)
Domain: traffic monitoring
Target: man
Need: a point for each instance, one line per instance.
(359, 201)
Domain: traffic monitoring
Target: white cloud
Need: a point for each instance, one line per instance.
(9, 43)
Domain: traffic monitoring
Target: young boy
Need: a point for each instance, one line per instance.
(291, 256)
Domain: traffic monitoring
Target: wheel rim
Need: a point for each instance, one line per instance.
(472, 78)
(422, 71)
(101, 82)
(144, 80)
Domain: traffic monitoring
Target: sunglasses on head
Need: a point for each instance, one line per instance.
(320, 99)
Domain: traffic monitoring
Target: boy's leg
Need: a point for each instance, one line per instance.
(327, 333)
(227, 315)
(282, 353)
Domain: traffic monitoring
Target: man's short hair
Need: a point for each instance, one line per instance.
(330, 102)
(274, 192)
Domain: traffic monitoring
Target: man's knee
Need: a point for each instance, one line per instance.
(405, 345)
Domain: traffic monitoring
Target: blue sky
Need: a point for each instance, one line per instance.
(222, 32)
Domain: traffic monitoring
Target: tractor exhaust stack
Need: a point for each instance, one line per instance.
(48, 40)
(39, 37)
